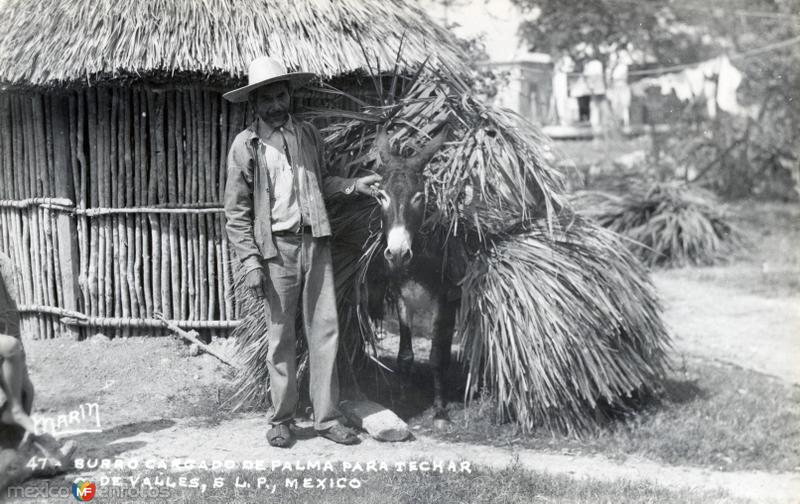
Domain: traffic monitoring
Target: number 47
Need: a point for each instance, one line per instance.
(41, 463)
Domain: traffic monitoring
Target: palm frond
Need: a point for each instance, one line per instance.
(491, 173)
(555, 325)
(667, 224)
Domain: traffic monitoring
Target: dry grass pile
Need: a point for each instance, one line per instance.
(667, 224)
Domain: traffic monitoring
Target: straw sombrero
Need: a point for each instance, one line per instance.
(263, 71)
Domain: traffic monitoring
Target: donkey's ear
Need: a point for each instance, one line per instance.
(421, 158)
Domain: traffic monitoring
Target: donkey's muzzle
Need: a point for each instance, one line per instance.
(398, 258)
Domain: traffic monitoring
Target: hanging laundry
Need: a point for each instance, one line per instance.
(717, 80)
(727, 85)
(696, 79)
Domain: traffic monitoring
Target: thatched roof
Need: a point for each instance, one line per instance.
(53, 42)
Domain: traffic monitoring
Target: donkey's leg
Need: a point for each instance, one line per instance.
(405, 317)
(443, 325)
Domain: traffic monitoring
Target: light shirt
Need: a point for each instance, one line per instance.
(289, 212)
(248, 205)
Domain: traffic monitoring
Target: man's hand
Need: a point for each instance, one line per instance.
(256, 281)
(369, 184)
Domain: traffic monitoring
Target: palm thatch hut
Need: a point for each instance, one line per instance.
(113, 137)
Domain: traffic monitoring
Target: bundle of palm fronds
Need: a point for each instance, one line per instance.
(490, 176)
(564, 323)
(556, 316)
(668, 224)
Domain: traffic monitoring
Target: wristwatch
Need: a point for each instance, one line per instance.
(352, 187)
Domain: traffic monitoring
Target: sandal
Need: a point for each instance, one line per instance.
(280, 436)
(340, 434)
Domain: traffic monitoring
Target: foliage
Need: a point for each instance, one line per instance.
(667, 224)
(744, 155)
(611, 32)
(753, 153)
(602, 29)
(562, 324)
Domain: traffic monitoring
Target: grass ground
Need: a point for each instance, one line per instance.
(770, 265)
(590, 163)
(712, 415)
(518, 487)
(584, 152)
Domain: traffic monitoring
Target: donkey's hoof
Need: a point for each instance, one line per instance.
(440, 419)
(441, 423)
(405, 362)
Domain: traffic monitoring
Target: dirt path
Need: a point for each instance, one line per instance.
(242, 439)
(754, 332)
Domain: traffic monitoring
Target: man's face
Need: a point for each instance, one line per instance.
(271, 102)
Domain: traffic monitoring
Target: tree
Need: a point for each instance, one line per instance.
(756, 154)
(602, 30)
(742, 155)
(731, 154)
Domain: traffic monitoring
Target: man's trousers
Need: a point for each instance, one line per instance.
(301, 276)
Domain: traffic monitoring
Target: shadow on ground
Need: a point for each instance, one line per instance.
(411, 395)
(103, 445)
(683, 391)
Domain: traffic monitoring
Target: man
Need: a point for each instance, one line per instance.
(279, 228)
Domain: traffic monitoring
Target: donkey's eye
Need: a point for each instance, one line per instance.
(417, 199)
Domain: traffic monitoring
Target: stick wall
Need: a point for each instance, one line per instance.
(146, 178)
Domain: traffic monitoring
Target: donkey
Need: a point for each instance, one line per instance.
(411, 277)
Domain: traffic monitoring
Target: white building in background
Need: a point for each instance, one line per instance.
(529, 89)
(567, 103)
(546, 92)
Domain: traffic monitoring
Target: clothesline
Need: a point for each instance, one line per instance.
(661, 70)
(747, 54)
